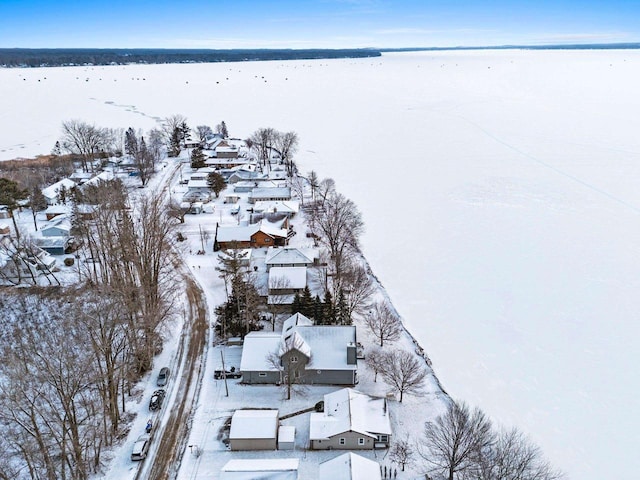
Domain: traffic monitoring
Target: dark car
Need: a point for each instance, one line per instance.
(220, 374)
(163, 377)
(156, 400)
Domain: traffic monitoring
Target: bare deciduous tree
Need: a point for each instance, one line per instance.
(261, 141)
(404, 372)
(376, 360)
(454, 442)
(337, 224)
(384, 323)
(402, 453)
(286, 144)
(85, 140)
(203, 132)
(515, 457)
(356, 281)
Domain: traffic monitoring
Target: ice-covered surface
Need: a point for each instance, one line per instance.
(499, 192)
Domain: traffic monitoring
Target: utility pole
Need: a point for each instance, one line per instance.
(224, 375)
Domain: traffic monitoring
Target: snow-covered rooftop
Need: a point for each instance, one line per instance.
(258, 346)
(51, 192)
(261, 469)
(295, 320)
(254, 424)
(287, 278)
(350, 410)
(350, 466)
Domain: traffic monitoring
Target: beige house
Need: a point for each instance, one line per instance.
(254, 430)
(351, 420)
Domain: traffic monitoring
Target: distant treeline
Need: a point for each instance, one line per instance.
(56, 57)
(587, 46)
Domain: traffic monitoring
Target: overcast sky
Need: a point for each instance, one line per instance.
(309, 24)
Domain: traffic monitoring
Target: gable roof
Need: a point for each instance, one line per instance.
(286, 256)
(244, 233)
(51, 192)
(254, 424)
(294, 341)
(350, 410)
(257, 348)
(261, 468)
(350, 466)
(295, 320)
(287, 277)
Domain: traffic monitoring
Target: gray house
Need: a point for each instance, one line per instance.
(254, 430)
(351, 421)
(310, 354)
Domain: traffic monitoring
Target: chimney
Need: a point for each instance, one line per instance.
(351, 354)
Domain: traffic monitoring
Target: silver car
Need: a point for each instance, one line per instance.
(163, 377)
(140, 448)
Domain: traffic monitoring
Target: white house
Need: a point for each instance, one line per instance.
(52, 192)
(261, 469)
(270, 194)
(350, 466)
(290, 257)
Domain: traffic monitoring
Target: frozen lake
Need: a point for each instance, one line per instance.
(500, 196)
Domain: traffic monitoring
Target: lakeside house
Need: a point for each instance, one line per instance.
(351, 420)
(350, 466)
(263, 234)
(261, 469)
(311, 354)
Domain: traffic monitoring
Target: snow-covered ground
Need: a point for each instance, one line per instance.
(499, 190)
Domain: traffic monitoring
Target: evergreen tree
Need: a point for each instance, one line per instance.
(342, 310)
(57, 149)
(174, 143)
(223, 130)
(10, 196)
(216, 182)
(296, 306)
(130, 142)
(185, 131)
(198, 158)
(307, 302)
(318, 311)
(329, 314)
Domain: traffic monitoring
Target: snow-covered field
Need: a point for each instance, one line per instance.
(499, 190)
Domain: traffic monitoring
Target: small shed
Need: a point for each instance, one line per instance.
(254, 430)
(286, 437)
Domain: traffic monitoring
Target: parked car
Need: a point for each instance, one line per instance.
(140, 448)
(233, 373)
(163, 377)
(156, 399)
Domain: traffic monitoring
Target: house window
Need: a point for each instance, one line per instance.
(341, 441)
(296, 374)
(383, 438)
(267, 240)
(262, 374)
(293, 359)
(361, 441)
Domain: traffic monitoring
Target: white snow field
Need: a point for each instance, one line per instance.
(500, 194)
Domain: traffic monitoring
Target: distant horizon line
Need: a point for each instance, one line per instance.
(550, 46)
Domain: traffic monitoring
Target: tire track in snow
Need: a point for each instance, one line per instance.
(548, 166)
